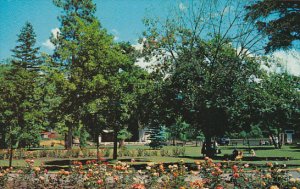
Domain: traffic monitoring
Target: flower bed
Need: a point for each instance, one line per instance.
(206, 174)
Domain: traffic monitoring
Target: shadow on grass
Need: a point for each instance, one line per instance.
(295, 148)
(251, 147)
(246, 158)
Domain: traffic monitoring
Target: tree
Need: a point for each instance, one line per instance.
(21, 108)
(157, 136)
(25, 54)
(279, 20)
(123, 135)
(66, 56)
(203, 58)
(275, 104)
(178, 130)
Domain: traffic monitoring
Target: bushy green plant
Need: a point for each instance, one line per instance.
(164, 152)
(140, 152)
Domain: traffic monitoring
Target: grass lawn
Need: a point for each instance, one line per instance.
(289, 155)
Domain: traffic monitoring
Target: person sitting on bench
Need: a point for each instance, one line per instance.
(239, 156)
(235, 153)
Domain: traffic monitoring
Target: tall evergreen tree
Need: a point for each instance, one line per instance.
(67, 58)
(20, 108)
(25, 54)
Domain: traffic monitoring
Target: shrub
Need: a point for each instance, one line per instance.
(140, 152)
(164, 152)
(106, 152)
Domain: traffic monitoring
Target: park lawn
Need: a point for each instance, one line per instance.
(289, 155)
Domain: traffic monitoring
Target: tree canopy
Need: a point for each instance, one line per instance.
(278, 20)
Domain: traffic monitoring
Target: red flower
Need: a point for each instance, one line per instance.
(236, 175)
(235, 168)
(100, 181)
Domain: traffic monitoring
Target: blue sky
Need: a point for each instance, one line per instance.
(123, 18)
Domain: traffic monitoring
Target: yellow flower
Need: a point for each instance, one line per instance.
(36, 169)
(274, 187)
(42, 178)
(292, 180)
(269, 164)
(268, 175)
(294, 187)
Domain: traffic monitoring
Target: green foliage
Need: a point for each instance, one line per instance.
(25, 54)
(253, 132)
(279, 20)
(157, 137)
(179, 130)
(22, 109)
(124, 134)
(72, 67)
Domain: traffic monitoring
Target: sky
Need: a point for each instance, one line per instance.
(122, 18)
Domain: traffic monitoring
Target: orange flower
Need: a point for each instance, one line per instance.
(197, 184)
(116, 178)
(175, 174)
(161, 167)
(269, 164)
(67, 173)
(138, 186)
(219, 187)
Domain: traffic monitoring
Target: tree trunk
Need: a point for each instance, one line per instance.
(273, 140)
(69, 137)
(10, 155)
(97, 138)
(10, 148)
(209, 151)
(121, 143)
(279, 140)
(115, 151)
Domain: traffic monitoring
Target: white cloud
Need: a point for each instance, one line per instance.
(182, 7)
(289, 60)
(55, 32)
(48, 44)
(116, 34)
